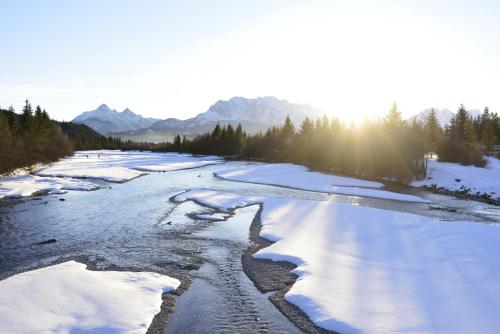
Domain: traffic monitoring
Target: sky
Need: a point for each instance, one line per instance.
(176, 58)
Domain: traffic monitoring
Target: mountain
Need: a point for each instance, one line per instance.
(254, 115)
(264, 110)
(105, 120)
(444, 115)
(85, 138)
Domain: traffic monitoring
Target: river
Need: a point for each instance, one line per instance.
(135, 226)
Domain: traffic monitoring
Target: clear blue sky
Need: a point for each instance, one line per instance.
(174, 59)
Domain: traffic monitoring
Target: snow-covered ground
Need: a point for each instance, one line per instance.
(299, 177)
(455, 177)
(117, 166)
(366, 270)
(68, 298)
(215, 217)
(113, 166)
(26, 185)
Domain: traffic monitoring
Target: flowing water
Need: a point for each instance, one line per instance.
(135, 226)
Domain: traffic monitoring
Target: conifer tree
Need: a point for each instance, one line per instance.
(432, 131)
(306, 128)
(489, 136)
(27, 117)
(288, 130)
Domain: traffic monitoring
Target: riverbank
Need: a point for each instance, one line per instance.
(275, 277)
(466, 182)
(463, 182)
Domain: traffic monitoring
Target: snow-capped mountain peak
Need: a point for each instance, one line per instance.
(444, 115)
(267, 110)
(106, 120)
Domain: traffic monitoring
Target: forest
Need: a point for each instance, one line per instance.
(391, 148)
(29, 138)
(32, 137)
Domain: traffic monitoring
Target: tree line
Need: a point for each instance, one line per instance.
(390, 148)
(33, 137)
(30, 138)
(385, 149)
(466, 139)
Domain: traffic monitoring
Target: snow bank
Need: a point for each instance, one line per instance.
(26, 185)
(299, 177)
(215, 217)
(117, 166)
(221, 200)
(67, 298)
(295, 176)
(375, 271)
(455, 177)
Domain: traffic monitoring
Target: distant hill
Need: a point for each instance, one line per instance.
(254, 115)
(106, 120)
(444, 115)
(85, 138)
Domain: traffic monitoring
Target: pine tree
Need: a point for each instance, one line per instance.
(177, 142)
(460, 143)
(393, 119)
(27, 117)
(489, 136)
(38, 121)
(239, 139)
(432, 131)
(306, 128)
(288, 130)
(216, 133)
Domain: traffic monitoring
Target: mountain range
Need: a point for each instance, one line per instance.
(106, 120)
(254, 115)
(444, 116)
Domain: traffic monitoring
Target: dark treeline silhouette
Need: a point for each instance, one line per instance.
(30, 137)
(466, 139)
(391, 148)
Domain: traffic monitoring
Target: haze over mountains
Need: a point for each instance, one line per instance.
(254, 115)
(106, 120)
(444, 115)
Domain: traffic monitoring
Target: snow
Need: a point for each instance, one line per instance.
(117, 166)
(299, 177)
(366, 270)
(106, 120)
(212, 216)
(113, 166)
(455, 177)
(27, 185)
(68, 298)
(264, 110)
(220, 200)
